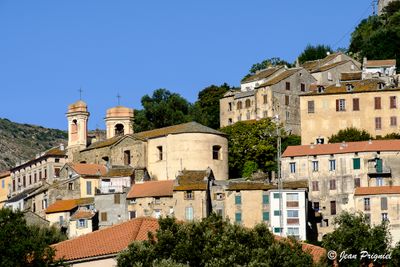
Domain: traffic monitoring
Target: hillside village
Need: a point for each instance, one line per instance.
(98, 186)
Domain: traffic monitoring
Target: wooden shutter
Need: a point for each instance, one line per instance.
(104, 216)
(337, 104)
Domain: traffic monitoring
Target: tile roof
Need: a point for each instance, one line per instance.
(152, 189)
(381, 63)
(191, 180)
(263, 74)
(342, 148)
(23, 194)
(253, 185)
(329, 66)
(87, 169)
(284, 75)
(104, 143)
(316, 252)
(351, 76)
(244, 94)
(82, 214)
(68, 204)
(5, 174)
(314, 64)
(55, 151)
(377, 190)
(368, 85)
(108, 241)
(119, 171)
(189, 127)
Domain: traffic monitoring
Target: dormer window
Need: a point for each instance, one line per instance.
(349, 87)
(321, 89)
(381, 85)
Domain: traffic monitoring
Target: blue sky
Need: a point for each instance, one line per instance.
(49, 49)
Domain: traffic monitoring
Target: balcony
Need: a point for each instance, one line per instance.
(376, 168)
(109, 189)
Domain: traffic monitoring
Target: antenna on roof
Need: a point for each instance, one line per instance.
(80, 93)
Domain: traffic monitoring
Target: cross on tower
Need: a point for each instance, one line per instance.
(119, 99)
(80, 93)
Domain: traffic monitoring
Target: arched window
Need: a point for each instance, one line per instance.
(247, 103)
(239, 105)
(74, 126)
(119, 129)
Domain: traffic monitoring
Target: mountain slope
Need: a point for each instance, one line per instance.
(20, 142)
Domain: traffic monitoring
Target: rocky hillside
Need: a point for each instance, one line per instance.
(20, 142)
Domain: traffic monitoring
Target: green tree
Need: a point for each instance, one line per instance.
(314, 52)
(161, 109)
(378, 37)
(206, 109)
(354, 234)
(24, 245)
(249, 168)
(350, 134)
(213, 242)
(255, 142)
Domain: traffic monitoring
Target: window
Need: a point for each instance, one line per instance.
(265, 114)
(44, 204)
(265, 216)
(277, 212)
(230, 121)
(393, 121)
(30, 179)
(230, 106)
(292, 166)
(356, 104)
(265, 199)
(117, 198)
(292, 213)
(40, 175)
(3, 183)
(238, 217)
(189, 195)
(286, 100)
(238, 199)
(393, 102)
(216, 152)
(61, 220)
(356, 164)
(132, 214)
(45, 173)
(265, 99)
(277, 230)
(56, 173)
(293, 231)
(24, 181)
(310, 106)
(81, 223)
(248, 115)
(302, 87)
(103, 216)
(315, 186)
(377, 101)
(378, 123)
(160, 152)
(330, 76)
(385, 217)
(88, 187)
(332, 165)
(219, 196)
(157, 213)
(127, 157)
(189, 213)
(384, 203)
(315, 166)
(340, 105)
(157, 200)
(70, 186)
(239, 118)
(247, 103)
(367, 204)
(332, 184)
(35, 177)
(368, 218)
(357, 182)
(287, 85)
(333, 207)
(239, 105)
(292, 197)
(57, 160)
(119, 129)
(316, 206)
(276, 195)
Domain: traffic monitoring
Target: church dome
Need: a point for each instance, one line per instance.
(119, 111)
(78, 106)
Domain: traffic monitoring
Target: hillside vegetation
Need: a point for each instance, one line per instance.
(23, 141)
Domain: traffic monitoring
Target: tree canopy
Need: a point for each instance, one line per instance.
(350, 134)
(314, 52)
(213, 242)
(254, 144)
(206, 109)
(25, 245)
(378, 37)
(354, 234)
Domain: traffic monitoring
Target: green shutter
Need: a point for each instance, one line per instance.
(265, 216)
(238, 217)
(277, 212)
(277, 230)
(379, 165)
(238, 200)
(276, 195)
(356, 164)
(265, 199)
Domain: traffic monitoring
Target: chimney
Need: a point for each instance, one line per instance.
(297, 63)
(62, 147)
(337, 83)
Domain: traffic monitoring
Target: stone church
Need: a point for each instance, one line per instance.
(159, 154)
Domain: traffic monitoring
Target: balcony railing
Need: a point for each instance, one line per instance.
(110, 189)
(382, 170)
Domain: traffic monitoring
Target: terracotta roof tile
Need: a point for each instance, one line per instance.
(68, 204)
(351, 76)
(253, 185)
(316, 252)
(314, 64)
(104, 143)
(263, 74)
(120, 171)
(55, 151)
(377, 190)
(5, 174)
(329, 66)
(152, 189)
(82, 214)
(342, 148)
(106, 241)
(284, 75)
(89, 169)
(381, 63)
(189, 127)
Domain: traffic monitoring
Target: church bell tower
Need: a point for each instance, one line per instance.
(77, 116)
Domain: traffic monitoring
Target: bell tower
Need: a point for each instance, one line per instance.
(119, 121)
(77, 116)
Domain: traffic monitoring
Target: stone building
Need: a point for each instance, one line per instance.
(5, 186)
(365, 104)
(382, 4)
(276, 95)
(334, 171)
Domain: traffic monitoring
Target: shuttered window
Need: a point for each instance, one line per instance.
(356, 104)
(383, 203)
(356, 164)
(377, 103)
(103, 216)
